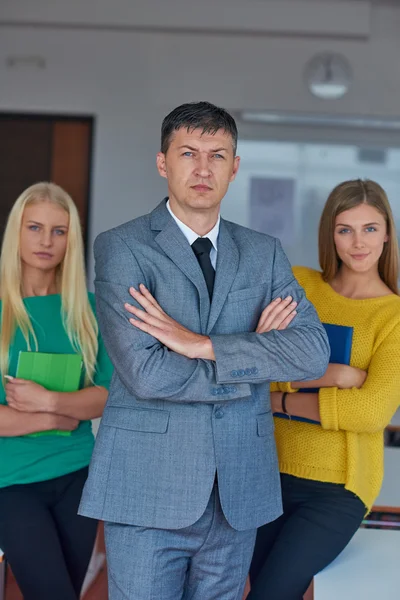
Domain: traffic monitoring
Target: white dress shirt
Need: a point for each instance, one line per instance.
(192, 236)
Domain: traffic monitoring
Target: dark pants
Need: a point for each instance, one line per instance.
(47, 544)
(319, 520)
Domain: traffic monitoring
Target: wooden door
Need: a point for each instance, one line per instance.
(37, 148)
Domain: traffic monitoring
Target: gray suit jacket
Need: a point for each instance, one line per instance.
(171, 422)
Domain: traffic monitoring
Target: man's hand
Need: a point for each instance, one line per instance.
(155, 321)
(27, 396)
(277, 315)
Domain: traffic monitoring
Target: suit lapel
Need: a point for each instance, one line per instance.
(227, 266)
(172, 241)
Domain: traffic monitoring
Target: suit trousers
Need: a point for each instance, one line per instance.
(208, 560)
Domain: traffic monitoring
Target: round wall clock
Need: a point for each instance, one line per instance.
(328, 75)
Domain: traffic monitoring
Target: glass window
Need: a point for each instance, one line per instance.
(281, 188)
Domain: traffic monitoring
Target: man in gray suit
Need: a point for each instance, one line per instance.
(184, 469)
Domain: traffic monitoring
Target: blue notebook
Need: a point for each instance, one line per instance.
(340, 339)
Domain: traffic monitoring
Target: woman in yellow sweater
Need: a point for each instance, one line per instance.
(332, 470)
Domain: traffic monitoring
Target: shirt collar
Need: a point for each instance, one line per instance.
(191, 235)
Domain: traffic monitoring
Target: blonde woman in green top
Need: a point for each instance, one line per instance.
(45, 307)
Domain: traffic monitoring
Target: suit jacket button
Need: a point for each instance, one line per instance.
(219, 414)
(241, 372)
(234, 373)
(254, 370)
(233, 389)
(215, 391)
(249, 372)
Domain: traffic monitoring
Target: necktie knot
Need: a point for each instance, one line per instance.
(202, 246)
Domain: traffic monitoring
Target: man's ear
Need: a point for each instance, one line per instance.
(161, 166)
(236, 164)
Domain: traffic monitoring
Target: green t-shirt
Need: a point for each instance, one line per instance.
(29, 459)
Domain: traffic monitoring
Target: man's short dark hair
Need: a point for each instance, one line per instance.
(198, 115)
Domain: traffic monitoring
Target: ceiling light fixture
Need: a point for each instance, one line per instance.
(282, 118)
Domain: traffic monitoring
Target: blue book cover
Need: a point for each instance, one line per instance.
(340, 339)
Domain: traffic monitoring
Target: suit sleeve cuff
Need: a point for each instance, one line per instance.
(231, 365)
(328, 408)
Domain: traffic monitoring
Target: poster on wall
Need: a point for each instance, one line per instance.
(272, 207)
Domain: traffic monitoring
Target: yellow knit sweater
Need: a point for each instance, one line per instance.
(348, 446)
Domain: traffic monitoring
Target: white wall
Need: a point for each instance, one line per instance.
(130, 79)
(320, 17)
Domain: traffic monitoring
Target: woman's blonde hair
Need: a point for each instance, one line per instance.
(343, 197)
(77, 314)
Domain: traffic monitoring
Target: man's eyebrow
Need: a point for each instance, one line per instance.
(196, 149)
(188, 147)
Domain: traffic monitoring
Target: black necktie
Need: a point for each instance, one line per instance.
(201, 247)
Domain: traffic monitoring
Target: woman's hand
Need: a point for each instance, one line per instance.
(276, 402)
(277, 315)
(28, 396)
(340, 376)
(348, 377)
(343, 377)
(63, 423)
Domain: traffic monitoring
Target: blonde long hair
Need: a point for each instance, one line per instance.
(78, 317)
(343, 197)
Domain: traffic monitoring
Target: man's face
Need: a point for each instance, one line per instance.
(199, 168)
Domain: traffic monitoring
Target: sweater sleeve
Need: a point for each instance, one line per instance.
(282, 386)
(370, 408)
